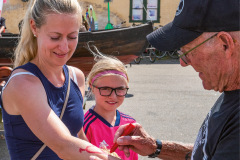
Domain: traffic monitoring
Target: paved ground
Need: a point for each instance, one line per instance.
(167, 99)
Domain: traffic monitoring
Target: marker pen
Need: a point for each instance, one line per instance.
(127, 130)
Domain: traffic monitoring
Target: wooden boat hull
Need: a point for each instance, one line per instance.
(124, 43)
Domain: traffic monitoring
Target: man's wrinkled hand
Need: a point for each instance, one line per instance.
(139, 141)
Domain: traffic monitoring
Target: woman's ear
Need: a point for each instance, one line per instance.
(227, 43)
(33, 27)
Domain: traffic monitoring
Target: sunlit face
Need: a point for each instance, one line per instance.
(57, 38)
(208, 61)
(112, 102)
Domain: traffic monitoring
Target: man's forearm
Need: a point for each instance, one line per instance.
(174, 150)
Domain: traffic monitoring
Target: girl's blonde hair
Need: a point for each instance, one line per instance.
(106, 63)
(38, 10)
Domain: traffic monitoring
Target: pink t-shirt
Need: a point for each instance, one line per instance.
(101, 133)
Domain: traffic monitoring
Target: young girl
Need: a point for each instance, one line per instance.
(108, 81)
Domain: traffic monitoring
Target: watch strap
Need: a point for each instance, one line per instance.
(158, 150)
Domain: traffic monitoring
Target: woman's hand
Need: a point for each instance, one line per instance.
(109, 158)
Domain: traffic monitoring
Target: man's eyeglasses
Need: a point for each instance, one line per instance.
(183, 55)
(107, 91)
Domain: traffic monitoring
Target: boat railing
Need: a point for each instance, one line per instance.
(9, 35)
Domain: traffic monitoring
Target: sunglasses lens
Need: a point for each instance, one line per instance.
(183, 57)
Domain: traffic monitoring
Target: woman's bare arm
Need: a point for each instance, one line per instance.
(30, 101)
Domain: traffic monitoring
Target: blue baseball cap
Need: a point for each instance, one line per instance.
(193, 17)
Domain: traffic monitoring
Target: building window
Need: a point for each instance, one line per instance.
(144, 10)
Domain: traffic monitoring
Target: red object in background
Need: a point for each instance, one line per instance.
(128, 129)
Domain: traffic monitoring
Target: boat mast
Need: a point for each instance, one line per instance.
(109, 25)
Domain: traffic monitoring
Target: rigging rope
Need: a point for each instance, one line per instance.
(141, 1)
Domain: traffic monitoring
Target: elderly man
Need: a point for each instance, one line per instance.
(207, 31)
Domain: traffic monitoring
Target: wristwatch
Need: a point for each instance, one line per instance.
(158, 150)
